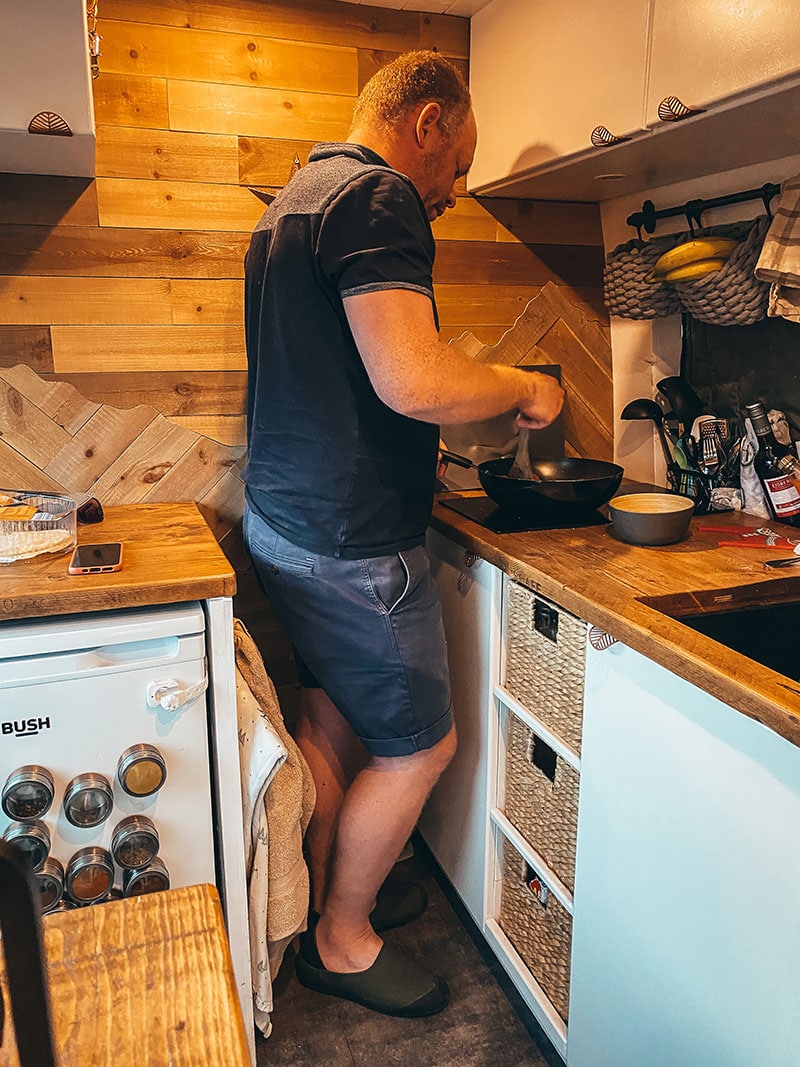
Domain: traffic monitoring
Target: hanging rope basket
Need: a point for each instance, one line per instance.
(732, 295)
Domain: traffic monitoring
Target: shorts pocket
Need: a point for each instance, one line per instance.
(273, 552)
(392, 579)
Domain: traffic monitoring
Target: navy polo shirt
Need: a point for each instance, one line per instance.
(330, 466)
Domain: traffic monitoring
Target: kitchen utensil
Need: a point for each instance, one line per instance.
(649, 409)
(763, 537)
(651, 518)
(569, 488)
(521, 467)
(788, 562)
(686, 404)
(709, 454)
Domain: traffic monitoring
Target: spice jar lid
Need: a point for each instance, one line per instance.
(141, 770)
(30, 840)
(90, 875)
(50, 883)
(88, 799)
(28, 793)
(149, 879)
(135, 842)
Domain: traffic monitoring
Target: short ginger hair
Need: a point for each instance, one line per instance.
(413, 78)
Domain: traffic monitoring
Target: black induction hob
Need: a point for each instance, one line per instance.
(486, 513)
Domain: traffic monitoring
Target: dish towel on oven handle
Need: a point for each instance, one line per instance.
(277, 801)
(779, 261)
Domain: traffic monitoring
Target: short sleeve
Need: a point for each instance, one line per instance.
(375, 235)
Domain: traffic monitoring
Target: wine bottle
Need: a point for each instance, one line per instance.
(780, 489)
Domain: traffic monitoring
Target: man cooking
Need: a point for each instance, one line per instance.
(348, 383)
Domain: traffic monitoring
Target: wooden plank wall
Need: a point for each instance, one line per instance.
(129, 287)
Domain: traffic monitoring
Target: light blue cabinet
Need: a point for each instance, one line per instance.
(686, 937)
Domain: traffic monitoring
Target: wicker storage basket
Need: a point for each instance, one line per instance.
(543, 809)
(540, 930)
(545, 656)
(626, 292)
(732, 295)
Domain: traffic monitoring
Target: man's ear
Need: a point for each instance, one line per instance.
(427, 121)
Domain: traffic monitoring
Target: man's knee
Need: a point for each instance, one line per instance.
(439, 755)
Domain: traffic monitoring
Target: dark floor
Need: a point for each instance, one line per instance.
(484, 1023)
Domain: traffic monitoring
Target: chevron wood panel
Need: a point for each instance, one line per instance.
(552, 329)
(60, 439)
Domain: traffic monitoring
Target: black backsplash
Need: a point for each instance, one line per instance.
(730, 366)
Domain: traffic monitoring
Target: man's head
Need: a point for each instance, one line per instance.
(416, 113)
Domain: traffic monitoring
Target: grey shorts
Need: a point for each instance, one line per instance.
(367, 631)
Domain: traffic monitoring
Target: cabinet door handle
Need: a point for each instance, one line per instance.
(671, 109)
(602, 137)
(600, 639)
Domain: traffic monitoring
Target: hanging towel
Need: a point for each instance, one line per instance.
(278, 800)
(779, 261)
(261, 754)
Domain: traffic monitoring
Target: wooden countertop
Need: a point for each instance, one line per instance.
(169, 555)
(593, 574)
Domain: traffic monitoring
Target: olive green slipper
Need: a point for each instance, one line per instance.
(397, 903)
(393, 985)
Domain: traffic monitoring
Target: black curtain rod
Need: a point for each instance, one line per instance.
(693, 209)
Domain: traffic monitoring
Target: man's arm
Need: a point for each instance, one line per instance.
(417, 374)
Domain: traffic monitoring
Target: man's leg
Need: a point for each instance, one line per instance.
(334, 755)
(376, 818)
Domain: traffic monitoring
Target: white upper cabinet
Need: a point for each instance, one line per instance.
(45, 69)
(545, 73)
(705, 50)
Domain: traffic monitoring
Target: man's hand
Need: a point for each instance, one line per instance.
(544, 404)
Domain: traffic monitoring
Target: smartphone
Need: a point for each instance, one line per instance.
(96, 559)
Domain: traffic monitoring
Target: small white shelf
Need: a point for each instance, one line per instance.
(538, 727)
(531, 856)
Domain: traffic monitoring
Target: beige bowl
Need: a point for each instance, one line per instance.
(651, 518)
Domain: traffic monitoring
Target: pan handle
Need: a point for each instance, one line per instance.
(453, 457)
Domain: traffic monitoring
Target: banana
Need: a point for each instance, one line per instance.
(702, 248)
(692, 271)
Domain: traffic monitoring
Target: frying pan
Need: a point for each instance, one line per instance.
(569, 488)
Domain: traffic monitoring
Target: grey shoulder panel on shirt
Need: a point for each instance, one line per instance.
(318, 184)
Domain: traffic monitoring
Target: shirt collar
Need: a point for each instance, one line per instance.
(327, 149)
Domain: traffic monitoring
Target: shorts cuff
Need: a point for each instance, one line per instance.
(407, 746)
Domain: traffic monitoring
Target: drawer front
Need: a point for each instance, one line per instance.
(545, 657)
(538, 926)
(542, 798)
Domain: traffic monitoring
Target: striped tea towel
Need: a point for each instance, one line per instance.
(779, 261)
